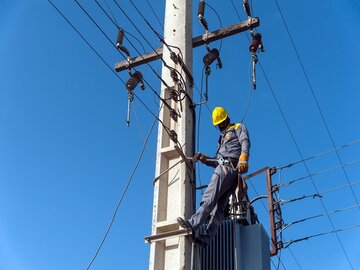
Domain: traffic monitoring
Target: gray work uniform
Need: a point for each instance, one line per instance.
(232, 142)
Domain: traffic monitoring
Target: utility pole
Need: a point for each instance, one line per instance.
(173, 190)
(174, 183)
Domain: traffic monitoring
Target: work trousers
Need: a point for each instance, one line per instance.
(223, 183)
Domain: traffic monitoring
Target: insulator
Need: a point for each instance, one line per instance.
(173, 136)
(133, 81)
(120, 37)
(255, 43)
(174, 57)
(173, 94)
(211, 56)
(247, 8)
(174, 75)
(201, 9)
(173, 115)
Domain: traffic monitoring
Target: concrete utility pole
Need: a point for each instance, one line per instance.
(173, 191)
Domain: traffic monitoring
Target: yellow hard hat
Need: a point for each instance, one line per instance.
(219, 115)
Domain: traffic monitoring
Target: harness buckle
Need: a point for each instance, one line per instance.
(223, 161)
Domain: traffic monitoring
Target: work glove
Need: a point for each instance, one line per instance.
(242, 165)
(200, 156)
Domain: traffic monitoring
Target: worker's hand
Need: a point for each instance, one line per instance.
(200, 156)
(242, 165)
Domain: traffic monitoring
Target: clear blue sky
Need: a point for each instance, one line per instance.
(66, 153)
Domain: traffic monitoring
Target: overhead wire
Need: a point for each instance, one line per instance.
(306, 167)
(220, 22)
(287, 225)
(319, 173)
(85, 40)
(318, 194)
(302, 158)
(320, 154)
(316, 100)
(141, 152)
(156, 16)
(287, 244)
(122, 196)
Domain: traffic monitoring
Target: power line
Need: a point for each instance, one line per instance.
(302, 158)
(318, 194)
(287, 225)
(315, 98)
(320, 154)
(287, 244)
(122, 196)
(153, 11)
(85, 40)
(319, 173)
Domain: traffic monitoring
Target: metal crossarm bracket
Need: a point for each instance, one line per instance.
(167, 235)
(197, 41)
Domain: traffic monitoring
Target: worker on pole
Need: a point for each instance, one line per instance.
(231, 160)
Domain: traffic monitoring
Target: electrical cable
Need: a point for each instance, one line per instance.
(102, 59)
(287, 225)
(114, 21)
(220, 22)
(302, 158)
(287, 244)
(319, 173)
(142, 150)
(317, 104)
(122, 196)
(320, 154)
(248, 100)
(153, 11)
(318, 194)
(85, 40)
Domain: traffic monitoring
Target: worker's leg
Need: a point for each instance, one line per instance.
(217, 215)
(221, 182)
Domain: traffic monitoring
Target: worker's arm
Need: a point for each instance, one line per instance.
(244, 140)
(212, 162)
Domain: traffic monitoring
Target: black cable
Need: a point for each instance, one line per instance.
(287, 225)
(153, 11)
(122, 196)
(142, 150)
(84, 39)
(318, 194)
(302, 158)
(220, 22)
(247, 106)
(317, 103)
(320, 154)
(319, 173)
(287, 244)
(115, 21)
(102, 59)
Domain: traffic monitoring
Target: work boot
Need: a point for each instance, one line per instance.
(202, 240)
(184, 223)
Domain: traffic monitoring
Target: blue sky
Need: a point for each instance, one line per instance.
(66, 153)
